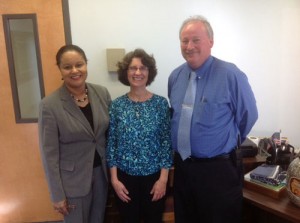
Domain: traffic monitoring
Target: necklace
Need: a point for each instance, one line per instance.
(137, 108)
(138, 102)
(140, 98)
(81, 100)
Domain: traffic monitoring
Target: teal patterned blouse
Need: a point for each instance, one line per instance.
(139, 140)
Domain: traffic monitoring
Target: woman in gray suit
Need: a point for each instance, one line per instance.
(72, 126)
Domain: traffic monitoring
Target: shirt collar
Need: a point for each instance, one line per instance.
(204, 67)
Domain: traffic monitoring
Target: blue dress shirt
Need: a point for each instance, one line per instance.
(224, 108)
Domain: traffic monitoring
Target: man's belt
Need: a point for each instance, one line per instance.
(221, 157)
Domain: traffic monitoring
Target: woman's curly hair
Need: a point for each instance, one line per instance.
(147, 60)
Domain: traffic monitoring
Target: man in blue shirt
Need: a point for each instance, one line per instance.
(208, 184)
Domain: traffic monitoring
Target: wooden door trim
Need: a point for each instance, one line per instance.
(66, 17)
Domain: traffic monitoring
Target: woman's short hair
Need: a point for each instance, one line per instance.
(147, 60)
(67, 48)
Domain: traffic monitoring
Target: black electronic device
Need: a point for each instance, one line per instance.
(249, 148)
(279, 151)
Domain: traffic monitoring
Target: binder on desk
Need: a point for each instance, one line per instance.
(267, 174)
(263, 188)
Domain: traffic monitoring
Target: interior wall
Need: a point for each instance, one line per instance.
(261, 37)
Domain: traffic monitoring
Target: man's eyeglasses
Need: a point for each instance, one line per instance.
(134, 69)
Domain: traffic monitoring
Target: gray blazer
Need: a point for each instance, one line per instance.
(68, 143)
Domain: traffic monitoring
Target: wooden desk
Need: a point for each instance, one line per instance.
(260, 208)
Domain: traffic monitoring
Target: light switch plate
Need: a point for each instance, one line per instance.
(113, 56)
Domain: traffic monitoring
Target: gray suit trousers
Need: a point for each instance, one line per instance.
(90, 208)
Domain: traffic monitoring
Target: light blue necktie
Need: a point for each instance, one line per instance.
(183, 138)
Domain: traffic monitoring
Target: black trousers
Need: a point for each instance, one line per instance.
(207, 191)
(141, 207)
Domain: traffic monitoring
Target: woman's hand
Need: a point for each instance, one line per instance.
(121, 190)
(61, 207)
(159, 187)
(158, 190)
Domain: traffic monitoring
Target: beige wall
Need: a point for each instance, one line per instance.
(260, 37)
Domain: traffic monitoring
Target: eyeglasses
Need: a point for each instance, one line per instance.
(135, 69)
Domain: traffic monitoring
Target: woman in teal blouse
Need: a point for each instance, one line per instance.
(139, 153)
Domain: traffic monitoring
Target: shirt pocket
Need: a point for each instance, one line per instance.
(212, 114)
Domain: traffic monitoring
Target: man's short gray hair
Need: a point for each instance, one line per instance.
(198, 18)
